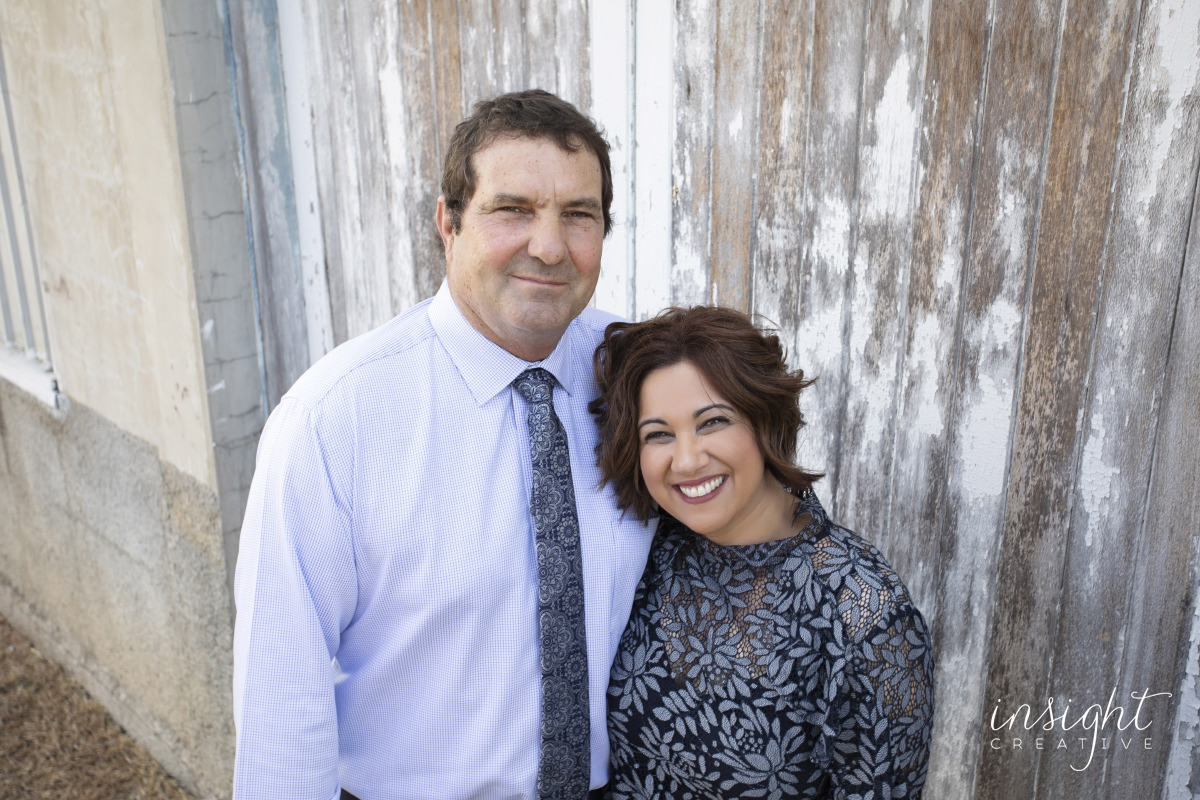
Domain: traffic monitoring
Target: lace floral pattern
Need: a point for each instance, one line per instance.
(794, 668)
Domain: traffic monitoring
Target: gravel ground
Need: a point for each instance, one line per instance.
(57, 742)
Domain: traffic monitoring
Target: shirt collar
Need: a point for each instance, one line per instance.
(486, 367)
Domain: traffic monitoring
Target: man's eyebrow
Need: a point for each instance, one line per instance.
(506, 199)
(590, 203)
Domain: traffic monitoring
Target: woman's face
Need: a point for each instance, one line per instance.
(701, 461)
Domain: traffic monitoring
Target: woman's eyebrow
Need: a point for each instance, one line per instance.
(651, 421)
(711, 407)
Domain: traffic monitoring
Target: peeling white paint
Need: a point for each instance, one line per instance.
(735, 125)
(1172, 75)
(831, 234)
(923, 364)
(207, 330)
(983, 442)
(889, 163)
(1095, 477)
(1001, 329)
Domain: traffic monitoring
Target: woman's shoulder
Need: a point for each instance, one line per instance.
(857, 577)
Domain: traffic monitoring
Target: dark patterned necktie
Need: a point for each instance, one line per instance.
(564, 771)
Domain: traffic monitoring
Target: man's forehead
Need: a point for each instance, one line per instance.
(506, 168)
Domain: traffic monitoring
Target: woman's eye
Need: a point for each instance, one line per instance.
(653, 436)
(714, 422)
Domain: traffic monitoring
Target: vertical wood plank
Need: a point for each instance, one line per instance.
(1019, 59)
(299, 71)
(734, 156)
(691, 172)
(374, 291)
(778, 243)
(413, 158)
(1059, 335)
(333, 91)
(572, 54)
(1148, 235)
(541, 45)
(449, 99)
(479, 50)
(654, 144)
(1160, 171)
(941, 222)
(826, 214)
(610, 54)
(889, 122)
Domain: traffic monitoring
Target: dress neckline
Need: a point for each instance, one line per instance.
(759, 554)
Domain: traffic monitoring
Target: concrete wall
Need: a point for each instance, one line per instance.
(92, 104)
(111, 560)
(115, 529)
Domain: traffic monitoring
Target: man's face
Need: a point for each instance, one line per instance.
(526, 258)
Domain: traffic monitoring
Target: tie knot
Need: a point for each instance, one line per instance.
(535, 385)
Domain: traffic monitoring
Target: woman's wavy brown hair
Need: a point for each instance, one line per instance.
(745, 365)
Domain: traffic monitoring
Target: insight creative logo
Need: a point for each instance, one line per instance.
(1107, 727)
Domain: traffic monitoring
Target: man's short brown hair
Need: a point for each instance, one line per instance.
(745, 365)
(531, 114)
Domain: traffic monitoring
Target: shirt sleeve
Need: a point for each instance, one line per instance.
(882, 749)
(296, 590)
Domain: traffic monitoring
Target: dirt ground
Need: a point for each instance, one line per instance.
(56, 742)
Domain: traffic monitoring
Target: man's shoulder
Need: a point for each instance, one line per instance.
(392, 346)
(592, 322)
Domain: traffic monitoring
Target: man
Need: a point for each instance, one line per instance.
(424, 611)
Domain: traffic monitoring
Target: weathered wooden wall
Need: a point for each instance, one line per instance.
(973, 220)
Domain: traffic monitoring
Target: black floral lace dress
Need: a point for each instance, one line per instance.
(793, 668)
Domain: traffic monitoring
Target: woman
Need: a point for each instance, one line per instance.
(771, 653)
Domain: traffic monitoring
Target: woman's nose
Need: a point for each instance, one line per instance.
(689, 455)
(546, 242)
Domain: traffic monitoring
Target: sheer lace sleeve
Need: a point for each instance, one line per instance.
(882, 749)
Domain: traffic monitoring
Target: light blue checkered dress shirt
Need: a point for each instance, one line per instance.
(386, 586)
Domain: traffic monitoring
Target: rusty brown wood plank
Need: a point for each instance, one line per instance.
(691, 169)
(734, 153)
(826, 214)
(889, 123)
(778, 241)
(448, 101)
(1059, 338)
(1020, 59)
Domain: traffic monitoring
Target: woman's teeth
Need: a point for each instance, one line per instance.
(703, 488)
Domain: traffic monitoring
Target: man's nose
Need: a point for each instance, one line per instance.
(547, 241)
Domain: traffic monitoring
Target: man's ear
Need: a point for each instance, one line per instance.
(442, 216)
